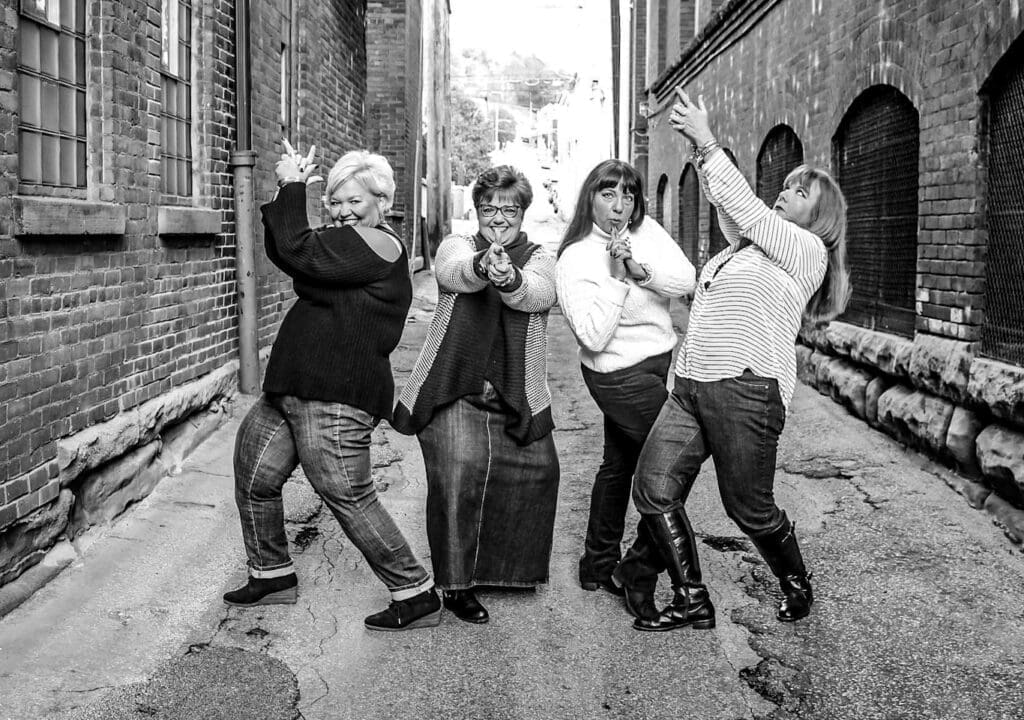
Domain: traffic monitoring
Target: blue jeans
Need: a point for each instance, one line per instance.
(736, 422)
(332, 442)
(630, 400)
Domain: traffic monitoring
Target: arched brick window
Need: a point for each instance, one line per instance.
(659, 200)
(780, 152)
(716, 240)
(876, 162)
(688, 205)
(1002, 334)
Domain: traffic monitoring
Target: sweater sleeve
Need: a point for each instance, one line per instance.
(455, 266)
(337, 255)
(591, 301)
(534, 288)
(670, 273)
(797, 251)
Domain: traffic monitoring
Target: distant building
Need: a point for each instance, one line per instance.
(120, 312)
(915, 108)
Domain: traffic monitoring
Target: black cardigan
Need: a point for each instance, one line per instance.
(334, 343)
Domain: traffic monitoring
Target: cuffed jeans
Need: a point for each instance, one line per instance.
(332, 442)
(737, 422)
(630, 400)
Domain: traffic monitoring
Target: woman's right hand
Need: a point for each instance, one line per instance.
(691, 119)
(294, 167)
(619, 250)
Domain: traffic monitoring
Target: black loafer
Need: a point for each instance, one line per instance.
(606, 584)
(465, 606)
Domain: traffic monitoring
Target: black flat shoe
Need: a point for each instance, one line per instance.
(465, 606)
(419, 611)
(607, 584)
(282, 590)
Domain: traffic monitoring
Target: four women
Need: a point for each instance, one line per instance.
(478, 398)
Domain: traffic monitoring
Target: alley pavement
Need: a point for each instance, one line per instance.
(918, 610)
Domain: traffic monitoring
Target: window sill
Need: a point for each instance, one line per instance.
(65, 216)
(174, 220)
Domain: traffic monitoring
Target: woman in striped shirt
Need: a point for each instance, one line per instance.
(736, 372)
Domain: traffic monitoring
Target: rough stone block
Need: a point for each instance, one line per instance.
(889, 353)
(941, 366)
(998, 386)
(181, 439)
(872, 392)
(975, 493)
(847, 384)
(25, 542)
(961, 439)
(1007, 517)
(915, 418)
(103, 494)
(1001, 457)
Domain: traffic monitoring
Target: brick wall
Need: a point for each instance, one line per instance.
(92, 326)
(393, 113)
(754, 76)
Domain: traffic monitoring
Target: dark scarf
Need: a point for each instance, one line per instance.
(485, 340)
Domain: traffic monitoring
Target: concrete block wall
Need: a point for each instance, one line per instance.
(99, 330)
(753, 77)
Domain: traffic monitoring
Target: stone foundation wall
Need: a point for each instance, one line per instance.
(934, 395)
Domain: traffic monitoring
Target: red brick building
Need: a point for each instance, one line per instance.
(119, 309)
(917, 109)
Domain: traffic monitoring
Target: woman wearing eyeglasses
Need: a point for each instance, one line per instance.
(617, 272)
(478, 401)
(327, 385)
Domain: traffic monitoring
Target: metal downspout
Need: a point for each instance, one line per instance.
(243, 159)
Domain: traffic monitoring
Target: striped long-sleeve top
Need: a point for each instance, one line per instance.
(751, 296)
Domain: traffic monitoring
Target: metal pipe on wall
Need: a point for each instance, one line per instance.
(243, 159)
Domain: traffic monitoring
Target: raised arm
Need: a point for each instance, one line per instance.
(329, 254)
(797, 251)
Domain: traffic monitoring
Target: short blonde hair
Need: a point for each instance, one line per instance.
(371, 170)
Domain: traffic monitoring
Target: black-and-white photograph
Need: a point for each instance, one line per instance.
(511, 360)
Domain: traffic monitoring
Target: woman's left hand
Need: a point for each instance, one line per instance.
(691, 119)
(499, 270)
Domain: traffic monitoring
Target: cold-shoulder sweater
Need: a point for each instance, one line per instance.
(334, 344)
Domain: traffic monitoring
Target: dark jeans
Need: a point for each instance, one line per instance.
(630, 400)
(332, 441)
(737, 422)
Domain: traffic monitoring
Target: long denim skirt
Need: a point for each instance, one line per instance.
(490, 502)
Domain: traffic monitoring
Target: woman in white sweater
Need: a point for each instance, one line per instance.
(617, 272)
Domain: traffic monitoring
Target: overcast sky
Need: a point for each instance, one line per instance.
(570, 35)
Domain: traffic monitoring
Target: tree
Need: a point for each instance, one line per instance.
(472, 139)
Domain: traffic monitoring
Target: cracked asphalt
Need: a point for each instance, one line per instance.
(918, 609)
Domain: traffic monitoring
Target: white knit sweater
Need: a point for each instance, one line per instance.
(619, 323)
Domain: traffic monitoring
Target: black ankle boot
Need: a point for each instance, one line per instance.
(282, 590)
(782, 553)
(673, 537)
(639, 600)
(690, 607)
(423, 610)
(465, 606)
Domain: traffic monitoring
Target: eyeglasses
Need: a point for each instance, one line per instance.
(509, 211)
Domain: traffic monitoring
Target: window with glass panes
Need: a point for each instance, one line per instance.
(176, 115)
(51, 77)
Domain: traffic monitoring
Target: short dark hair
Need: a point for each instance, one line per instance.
(502, 178)
(607, 174)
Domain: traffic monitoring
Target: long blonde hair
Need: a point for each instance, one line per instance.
(828, 222)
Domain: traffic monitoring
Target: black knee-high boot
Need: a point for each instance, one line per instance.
(782, 553)
(691, 606)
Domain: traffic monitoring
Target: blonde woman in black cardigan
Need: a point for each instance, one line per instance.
(328, 384)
